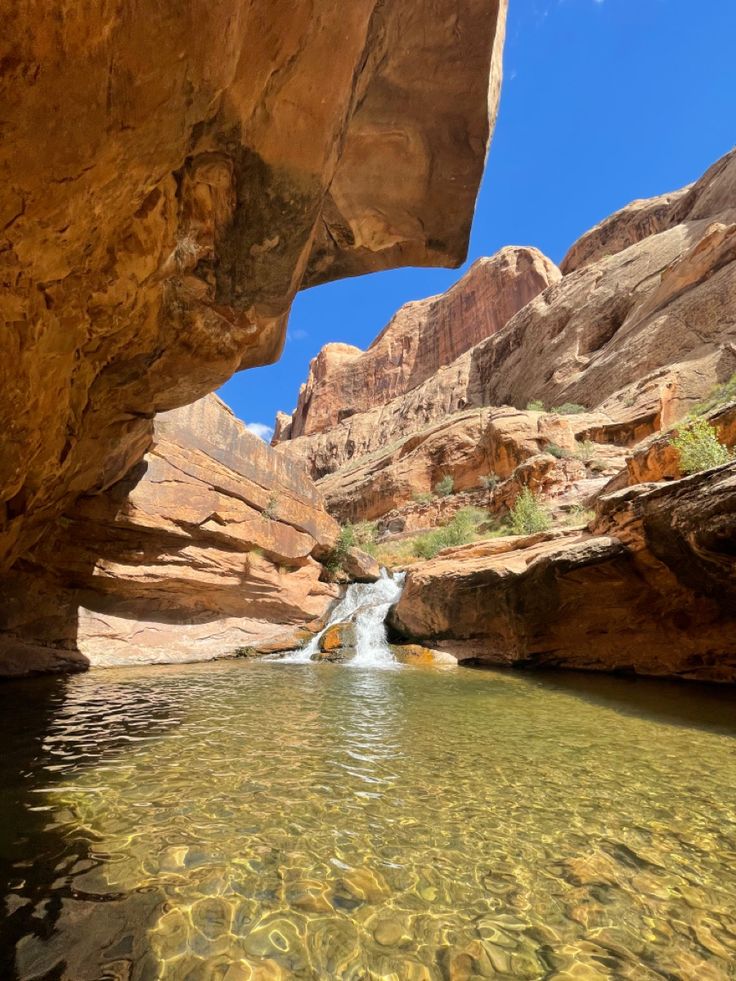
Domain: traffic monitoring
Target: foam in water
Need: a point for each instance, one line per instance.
(367, 604)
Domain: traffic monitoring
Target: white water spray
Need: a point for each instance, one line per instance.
(367, 604)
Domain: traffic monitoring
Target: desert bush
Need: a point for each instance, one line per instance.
(489, 481)
(568, 409)
(557, 451)
(536, 405)
(717, 397)
(365, 536)
(422, 498)
(345, 541)
(698, 447)
(585, 450)
(271, 509)
(444, 487)
(459, 531)
(527, 515)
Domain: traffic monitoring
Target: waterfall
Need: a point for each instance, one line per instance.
(367, 605)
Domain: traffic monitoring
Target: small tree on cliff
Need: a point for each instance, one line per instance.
(699, 448)
(527, 515)
(444, 487)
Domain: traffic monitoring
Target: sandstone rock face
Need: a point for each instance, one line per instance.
(657, 459)
(199, 164)
(359, 566)
(640, 329)
(205, 548)
(422, 337)
(465, 446)
(653, 590)
(662, 311)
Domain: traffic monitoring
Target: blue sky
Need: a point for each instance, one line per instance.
(603, 101)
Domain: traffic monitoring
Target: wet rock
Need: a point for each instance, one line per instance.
(337, 643)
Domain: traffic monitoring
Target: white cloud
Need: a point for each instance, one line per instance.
(261, 430)
(296, 335)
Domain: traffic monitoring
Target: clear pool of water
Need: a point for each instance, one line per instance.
(261, 821)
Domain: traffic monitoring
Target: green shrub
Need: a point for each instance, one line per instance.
(345, 541)
(585, 450)
(557, 451)
(699, 448)
(459, 531)
(271, 508)
(568, 409)
(489, 481)
(444, 487)
(536, 405)
(720, 395)
(365, 536)
(422, 498)
(527, 515)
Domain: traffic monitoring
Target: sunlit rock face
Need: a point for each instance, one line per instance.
(648, 589)
(421, 338)
(172, 174)
(638, 330)
(204, 549)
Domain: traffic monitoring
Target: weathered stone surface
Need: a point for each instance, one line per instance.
(662, 309)
(421, 338)
(360, 566)
(657, 459)
(712, 194)
(653, 590)
(420, 656)
(626, 227)
(465, 445)
(641, 334)
(171, 176)
(203, 550)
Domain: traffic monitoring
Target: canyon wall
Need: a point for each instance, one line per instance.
(207, 547)
(638, 329)
(648, 589)
(420, 339)
(172, 174)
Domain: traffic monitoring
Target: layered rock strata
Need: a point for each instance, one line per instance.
(199, 164)
(465, 446)
(650, 588)
(205, 549)
(640, 328)
(422, 337)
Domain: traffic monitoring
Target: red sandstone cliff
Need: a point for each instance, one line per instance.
(206, 547)
(422, 337)
(171, 175)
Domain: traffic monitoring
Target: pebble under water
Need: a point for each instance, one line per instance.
(262, 821)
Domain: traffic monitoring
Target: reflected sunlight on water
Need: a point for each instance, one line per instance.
(244, 820)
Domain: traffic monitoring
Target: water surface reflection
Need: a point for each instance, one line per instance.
(245, 820)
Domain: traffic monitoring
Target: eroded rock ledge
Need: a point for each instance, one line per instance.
(205, 549)
(649, 587)
(200, 163)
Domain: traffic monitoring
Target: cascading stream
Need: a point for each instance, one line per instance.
(367, 604)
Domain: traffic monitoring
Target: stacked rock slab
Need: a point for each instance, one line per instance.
(206, 548)
(649, 589)
(171, 174)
